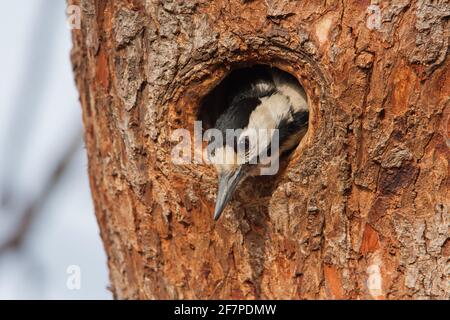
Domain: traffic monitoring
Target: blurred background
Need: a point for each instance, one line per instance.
(50, 246)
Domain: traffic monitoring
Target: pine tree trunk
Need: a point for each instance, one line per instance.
(361, 210)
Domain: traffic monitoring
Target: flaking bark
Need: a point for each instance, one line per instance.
(362, 209)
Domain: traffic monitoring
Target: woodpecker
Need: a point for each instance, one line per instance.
(259, 98)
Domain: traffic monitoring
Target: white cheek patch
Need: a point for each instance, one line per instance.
(269, 113)
(267, 117)
(296, 94)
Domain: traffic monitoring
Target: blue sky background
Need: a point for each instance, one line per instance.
(39, 119)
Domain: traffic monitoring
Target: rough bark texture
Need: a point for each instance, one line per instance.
(362, 209)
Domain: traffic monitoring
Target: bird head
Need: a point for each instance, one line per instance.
(273, 104)
(236, 161)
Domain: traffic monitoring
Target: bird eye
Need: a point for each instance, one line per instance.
(244, 144)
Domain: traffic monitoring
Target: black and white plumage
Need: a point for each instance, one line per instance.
(260, 98)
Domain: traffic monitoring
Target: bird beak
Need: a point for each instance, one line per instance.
(227, 184)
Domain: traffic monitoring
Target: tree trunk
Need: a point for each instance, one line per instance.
(360, 211)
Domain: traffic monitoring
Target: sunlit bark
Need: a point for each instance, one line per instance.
(361, 210)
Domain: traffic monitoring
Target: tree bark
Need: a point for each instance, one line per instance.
(362, 209)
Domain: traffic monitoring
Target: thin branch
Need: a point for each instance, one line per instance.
(34, 207)
(29, 93)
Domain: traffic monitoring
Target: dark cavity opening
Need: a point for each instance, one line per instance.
(219, 99)
(231, 103)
